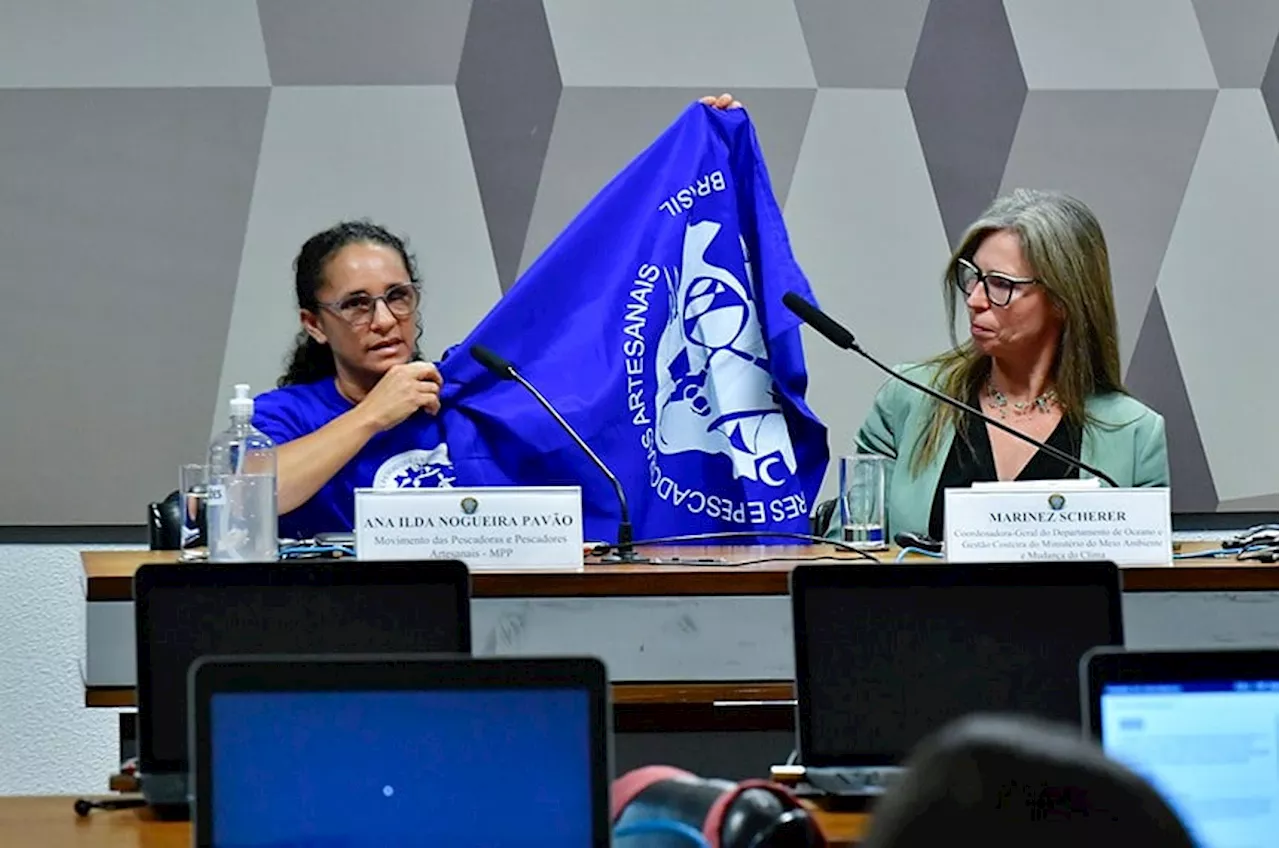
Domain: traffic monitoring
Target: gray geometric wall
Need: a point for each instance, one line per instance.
(161, 162)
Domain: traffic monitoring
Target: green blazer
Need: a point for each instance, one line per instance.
(1124, 438)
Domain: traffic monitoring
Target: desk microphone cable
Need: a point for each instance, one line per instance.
(604, 547)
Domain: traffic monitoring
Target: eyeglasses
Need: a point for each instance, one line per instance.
(999, 288)
(357, 309)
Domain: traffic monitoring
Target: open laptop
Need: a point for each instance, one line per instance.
(384, 751)
(1201, 727)
(185, 611)
(886, 654)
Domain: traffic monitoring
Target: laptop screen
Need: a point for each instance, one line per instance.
(888, 664)
(187, 622)
(1209, 747)
(378, 769)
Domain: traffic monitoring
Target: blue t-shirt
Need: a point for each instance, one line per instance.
(413, 454)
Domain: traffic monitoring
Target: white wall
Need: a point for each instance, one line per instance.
(50, 743)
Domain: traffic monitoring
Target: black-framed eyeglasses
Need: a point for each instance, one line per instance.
(357, 309)
(999, 288)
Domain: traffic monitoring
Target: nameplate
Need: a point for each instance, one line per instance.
(506, 527)
(1125, 526)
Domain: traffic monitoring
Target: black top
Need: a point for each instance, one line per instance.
(971, 461)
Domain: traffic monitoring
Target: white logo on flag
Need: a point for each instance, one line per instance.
(714, 388)
(705, 386)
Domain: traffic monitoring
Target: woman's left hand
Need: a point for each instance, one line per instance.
(724, 101)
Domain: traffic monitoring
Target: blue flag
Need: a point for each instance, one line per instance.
(654, 323)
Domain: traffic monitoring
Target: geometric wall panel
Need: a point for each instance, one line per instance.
(1239, 35)
(1091, 45)
(1219, 291)
(121, 224)
(965, 108)
(1155, 378)
(861, 44)
(508, 89)
(131, 44)
(1269, 85)
(1267, 503)
(372, 42)
(711, 44)
(1078, 141)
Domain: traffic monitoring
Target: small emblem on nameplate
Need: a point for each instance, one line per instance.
(470, 505)
(1057, 502)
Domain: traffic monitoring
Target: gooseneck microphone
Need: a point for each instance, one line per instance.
(840, 336)
(504, 370)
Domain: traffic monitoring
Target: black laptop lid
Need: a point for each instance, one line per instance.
(886, 654)
(396, 750)
(186, 611)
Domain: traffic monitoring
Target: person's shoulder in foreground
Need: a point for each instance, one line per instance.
(996, 781)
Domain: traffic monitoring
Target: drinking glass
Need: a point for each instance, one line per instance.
(862, 485)
(193, 491)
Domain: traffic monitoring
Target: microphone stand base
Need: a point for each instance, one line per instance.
(624, 558)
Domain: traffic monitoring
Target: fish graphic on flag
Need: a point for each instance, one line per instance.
(654, 323)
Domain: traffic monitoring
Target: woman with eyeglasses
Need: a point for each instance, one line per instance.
(344, 414)
(1042, 355)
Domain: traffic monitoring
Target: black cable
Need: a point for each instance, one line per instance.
(84, 806)
(710, 563)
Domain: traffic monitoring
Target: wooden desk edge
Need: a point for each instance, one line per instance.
(766, 694)
(109, 576)
(49, 820)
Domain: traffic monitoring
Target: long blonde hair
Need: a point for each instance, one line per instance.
(1063, 243)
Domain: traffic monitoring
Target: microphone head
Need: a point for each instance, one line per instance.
(834, 332)
(496, 365)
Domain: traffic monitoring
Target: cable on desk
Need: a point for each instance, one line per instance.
(1249, 552)
(1216, 553)
(84, 806)
(1259, 553)
(909, 550)
(665, 826)
(763, 561)
(309, 551)
(605, 547)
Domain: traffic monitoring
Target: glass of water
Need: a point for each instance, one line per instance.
(193, 492)
(861, 501)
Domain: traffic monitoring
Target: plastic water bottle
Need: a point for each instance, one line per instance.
(241, 504)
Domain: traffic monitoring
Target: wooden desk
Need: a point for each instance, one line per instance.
(689, 647)
(50, 822)
(763, 571)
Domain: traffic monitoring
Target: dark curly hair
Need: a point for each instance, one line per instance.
(311, 360)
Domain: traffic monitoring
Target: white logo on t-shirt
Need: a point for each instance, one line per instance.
(417, 469)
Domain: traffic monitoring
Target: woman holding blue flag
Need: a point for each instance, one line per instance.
(700, 418)
(356, 405)
(1043, 355)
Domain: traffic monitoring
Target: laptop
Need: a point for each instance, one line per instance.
(399, 750)
(185, 611)
(886, 654)
(1201, 727)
